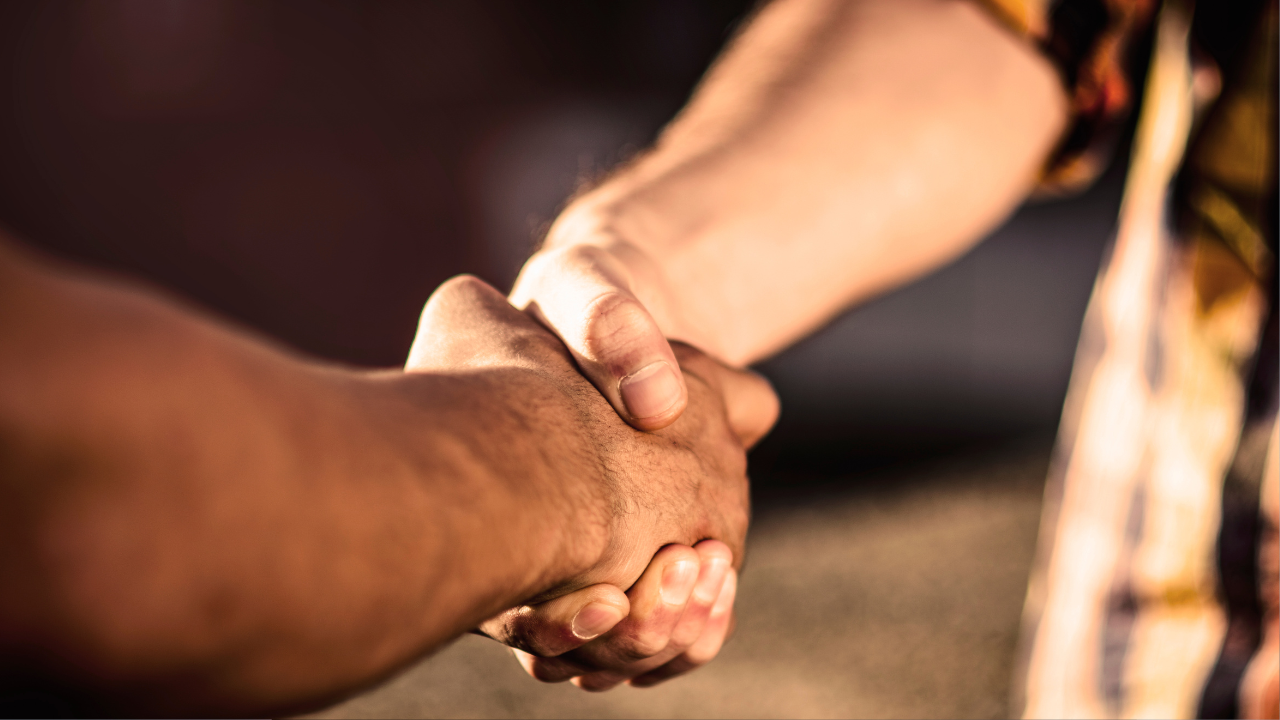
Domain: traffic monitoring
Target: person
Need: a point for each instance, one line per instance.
(198, 521)
(838, 149)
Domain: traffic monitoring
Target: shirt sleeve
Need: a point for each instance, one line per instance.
(1089, 42)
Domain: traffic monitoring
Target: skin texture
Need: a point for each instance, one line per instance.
(198, 522)
(677, 615)
(790, 187)
(838, 149)
(288, 493)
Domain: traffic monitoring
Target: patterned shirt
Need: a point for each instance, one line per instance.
(1156, 583)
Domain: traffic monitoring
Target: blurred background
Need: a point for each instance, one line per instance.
(313, 170)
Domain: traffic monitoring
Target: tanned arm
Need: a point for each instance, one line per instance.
(838, 148)
(197, 521)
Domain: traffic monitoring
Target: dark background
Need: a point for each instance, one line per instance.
(314, 169)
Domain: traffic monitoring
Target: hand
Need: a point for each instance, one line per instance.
(640, 491)
(600, 297)
(584, 292)
(673, 620)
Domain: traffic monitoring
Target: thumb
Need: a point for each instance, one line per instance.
(557, 626)
(583, 294)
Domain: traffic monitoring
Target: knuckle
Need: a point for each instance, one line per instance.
(681, 641)
(509, 626)
(464, 285)
(535, 645)
(463, 296)
(676, 553)
(523, 629)
(713, 549)
(698, 656)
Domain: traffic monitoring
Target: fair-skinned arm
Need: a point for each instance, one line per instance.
(195, 521)
(837, 149)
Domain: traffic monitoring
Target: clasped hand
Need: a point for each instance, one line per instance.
(665, 511)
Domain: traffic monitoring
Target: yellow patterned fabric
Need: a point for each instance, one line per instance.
(1088, 42)
(1155, 590)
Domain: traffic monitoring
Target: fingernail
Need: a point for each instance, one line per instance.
(650, 391)
(708, 587)
(727, 593)
(677, 582)
(595, 619)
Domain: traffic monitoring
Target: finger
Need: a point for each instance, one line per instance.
(584, 295)
(557, 626)
(549, 670)
(467, 322)
(658, 600)
(750, 403)
(716, 559)
(714, 633)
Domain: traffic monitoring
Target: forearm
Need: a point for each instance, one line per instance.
(837, 149)
(178, 497)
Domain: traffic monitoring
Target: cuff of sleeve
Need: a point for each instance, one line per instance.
(1088, 42)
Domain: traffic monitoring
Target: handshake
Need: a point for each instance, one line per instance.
(197, 522)
(644, 438)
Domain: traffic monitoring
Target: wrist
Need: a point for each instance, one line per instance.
(638, 252)
(541, 493)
